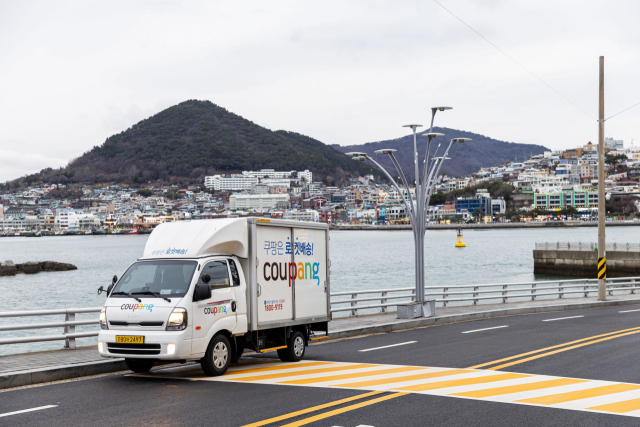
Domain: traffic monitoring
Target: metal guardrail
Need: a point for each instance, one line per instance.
(477, 294)
(385, 298)
(69, 334)
(587, 246)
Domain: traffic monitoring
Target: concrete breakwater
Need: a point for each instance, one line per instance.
(584, 263)
(530, 224)
(8, 268)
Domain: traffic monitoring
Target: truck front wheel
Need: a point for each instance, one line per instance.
(295, 348)
(139, 366)
(218, 356)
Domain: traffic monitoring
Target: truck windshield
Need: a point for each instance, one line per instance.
(167, 278)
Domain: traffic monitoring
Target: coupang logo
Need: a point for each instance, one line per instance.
(215, 310)
(134, 307)
(169, 251)
(291, 270)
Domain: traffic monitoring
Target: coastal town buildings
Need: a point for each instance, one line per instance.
(550, 181)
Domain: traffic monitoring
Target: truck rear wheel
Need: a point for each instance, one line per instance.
(139, 366)
(295, 348)
(218, 356)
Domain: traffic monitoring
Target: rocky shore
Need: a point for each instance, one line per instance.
(8, 268)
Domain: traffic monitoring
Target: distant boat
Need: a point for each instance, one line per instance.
(132, 232)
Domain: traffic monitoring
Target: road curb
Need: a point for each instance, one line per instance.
(431, 321)
(61, 372)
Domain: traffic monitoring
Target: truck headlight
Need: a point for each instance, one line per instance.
(103, 318)
(177, 320)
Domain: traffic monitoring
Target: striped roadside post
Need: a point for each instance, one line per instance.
(602, 268)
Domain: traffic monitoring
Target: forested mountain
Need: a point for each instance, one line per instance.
(465, 158)
(184, 142)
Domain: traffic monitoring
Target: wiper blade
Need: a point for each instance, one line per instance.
(155, 294)
(127, 294)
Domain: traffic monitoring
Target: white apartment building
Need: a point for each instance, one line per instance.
(271, 173)
(230, 182)
(257, 201)
(66, 219)
(305, 215)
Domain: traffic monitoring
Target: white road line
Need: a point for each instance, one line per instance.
(561, 318)
(6, 414)
(485, 329)
(628, 311)
(387, 346)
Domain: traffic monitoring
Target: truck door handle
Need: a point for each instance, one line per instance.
(233, 306)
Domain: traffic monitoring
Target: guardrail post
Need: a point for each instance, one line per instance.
(69, 343)
(610, 289)
(586, 289)
(560, 290)
(413, 294)
(444, 296)
(533, 292)
(354, 312)
(633, 284)
(504, 294)
(475, 294)
(383, 301)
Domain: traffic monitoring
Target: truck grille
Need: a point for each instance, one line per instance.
(120, 323)
(143, 349)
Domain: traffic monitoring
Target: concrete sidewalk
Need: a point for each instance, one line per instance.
(34, 368)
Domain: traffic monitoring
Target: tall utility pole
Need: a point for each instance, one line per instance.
(602, 261)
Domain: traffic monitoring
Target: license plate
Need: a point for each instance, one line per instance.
(129, 339)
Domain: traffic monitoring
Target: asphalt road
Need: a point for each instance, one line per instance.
(116, 400)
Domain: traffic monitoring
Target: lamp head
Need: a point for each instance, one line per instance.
(441, 108)
(385, 151)
(461, 140)
(412, 126)
(432, 134)
(356, 154)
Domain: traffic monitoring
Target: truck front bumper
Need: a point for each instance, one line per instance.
(161, 345)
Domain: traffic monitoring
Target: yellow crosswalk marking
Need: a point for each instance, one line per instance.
(488, 385)
(279, 367)
(581, 394)
(373, 383)
(498, 391)
(619, 407)
(306, 372)
(354, 375)
(461, 382)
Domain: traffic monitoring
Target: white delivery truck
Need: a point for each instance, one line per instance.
(205, 290)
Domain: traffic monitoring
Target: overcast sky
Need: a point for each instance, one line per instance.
(345, 72)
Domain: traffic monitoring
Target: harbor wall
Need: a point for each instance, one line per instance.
(566, 262)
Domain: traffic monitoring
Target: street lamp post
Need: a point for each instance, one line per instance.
(416, 208)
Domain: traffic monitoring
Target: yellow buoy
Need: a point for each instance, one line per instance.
(459, 242)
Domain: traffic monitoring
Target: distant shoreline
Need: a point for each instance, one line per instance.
(543, 225)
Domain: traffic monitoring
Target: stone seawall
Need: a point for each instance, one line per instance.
(564, 262)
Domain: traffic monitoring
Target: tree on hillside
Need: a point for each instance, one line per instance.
(145, 192)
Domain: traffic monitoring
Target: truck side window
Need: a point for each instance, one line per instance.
(219, 273)
(234, 273)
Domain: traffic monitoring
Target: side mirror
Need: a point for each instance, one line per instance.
(206, 278)
(115, 279)
(202, 292)
(110, 288)
(100, 290)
